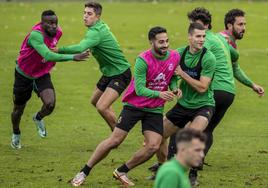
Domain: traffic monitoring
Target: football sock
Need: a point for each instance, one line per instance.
(38, 117)
(123, 168)
(86, 170)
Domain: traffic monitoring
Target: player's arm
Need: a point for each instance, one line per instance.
(36, 40)
(240, 75)
(140, 71)
(208, 69)
(91, 39)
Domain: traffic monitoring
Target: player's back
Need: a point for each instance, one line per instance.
(223, 77)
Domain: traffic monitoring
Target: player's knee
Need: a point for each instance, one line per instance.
(153, 147)
(114, 142)
(93, 102)
(17, 112)
(101, 108)
(50, 106)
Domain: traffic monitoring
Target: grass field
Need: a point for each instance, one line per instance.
(239, 157)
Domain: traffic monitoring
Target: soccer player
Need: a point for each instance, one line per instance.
(173, 174)
(113, 64)
(223, 81)
(235, 25)
(197, 103)
(143, 101)
(33, 65)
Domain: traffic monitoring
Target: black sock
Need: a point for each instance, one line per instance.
(38, 117)
(86, 170)
(17, 131)
(123, 168)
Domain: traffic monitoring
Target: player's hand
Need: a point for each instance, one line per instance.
(55, 50)
(82, 57)
(258, 89)
(177, 92)
(178, 71)
(167, 95)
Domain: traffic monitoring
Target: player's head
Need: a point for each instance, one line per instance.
(92, 13)
(159, 40)
(49, 22)
(190, 146)
(196, 36)
(200, 15)
(235, 22)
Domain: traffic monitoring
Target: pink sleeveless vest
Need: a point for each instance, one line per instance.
(30, 62)
(159, 73)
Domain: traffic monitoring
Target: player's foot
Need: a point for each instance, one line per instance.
(193, 177)
(79, 179)
(40, 125)
(15, 141)
(154, 167)
(122, 177)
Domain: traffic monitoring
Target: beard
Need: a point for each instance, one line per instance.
(51, 33)
(161, 51)
(238, 35)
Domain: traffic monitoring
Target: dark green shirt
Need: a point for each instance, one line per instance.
(190, 97)
(172, 175)
(104, 47)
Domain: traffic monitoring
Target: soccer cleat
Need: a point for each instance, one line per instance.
(40, 125)
(79, 179)
(15, 141)
(193, 177)
(154, 167)
(122, 177)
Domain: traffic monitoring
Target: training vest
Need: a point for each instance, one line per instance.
(159, 73)
(195, 71)
(30, 62)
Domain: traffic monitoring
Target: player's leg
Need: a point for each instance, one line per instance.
(169, 129)
(223, 100)
(152, 127)
(45, 90)
(126, 121)
(116, 85)
(103, 106)
(96, 96)
(201, 118)
(22, 90)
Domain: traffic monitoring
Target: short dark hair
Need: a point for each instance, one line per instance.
(187, 135)
(231, 15)
(202, 14)
(154, 31)
(194, 26)
(96, 6)
(48, 13)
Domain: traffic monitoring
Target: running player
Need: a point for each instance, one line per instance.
(33, 65)
(113, 64)
(144, 100)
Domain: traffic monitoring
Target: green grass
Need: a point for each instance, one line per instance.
(239, 157)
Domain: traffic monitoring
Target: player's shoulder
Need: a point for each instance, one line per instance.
(180, 50)
(209, 56)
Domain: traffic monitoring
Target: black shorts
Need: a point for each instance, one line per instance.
(118, 82)
(23, 87)
(180, 115)
(149, 121)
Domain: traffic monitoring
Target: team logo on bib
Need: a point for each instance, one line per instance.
(170, 67)
(160, 77)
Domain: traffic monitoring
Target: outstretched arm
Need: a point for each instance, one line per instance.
(91, 39)
(240, 75)
(36, 40)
